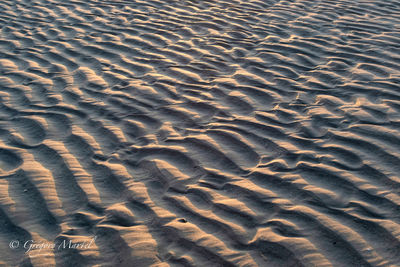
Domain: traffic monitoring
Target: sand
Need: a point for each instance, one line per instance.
(199, 133)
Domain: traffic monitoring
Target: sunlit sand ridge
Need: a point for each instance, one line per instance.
(200, 133)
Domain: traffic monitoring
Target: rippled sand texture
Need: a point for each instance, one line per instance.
(200, 132)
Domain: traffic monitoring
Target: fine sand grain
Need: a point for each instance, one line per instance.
(200, 133)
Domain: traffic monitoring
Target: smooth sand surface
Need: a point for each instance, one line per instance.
(200, 132)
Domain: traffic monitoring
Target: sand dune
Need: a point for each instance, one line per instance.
(200, 133)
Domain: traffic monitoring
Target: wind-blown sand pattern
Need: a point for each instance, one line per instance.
(200, 133)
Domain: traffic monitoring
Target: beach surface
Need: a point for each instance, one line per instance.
(200, 133)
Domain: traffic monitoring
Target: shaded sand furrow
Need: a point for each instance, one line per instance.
(194, 133)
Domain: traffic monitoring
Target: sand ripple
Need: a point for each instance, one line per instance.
(200, 133)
